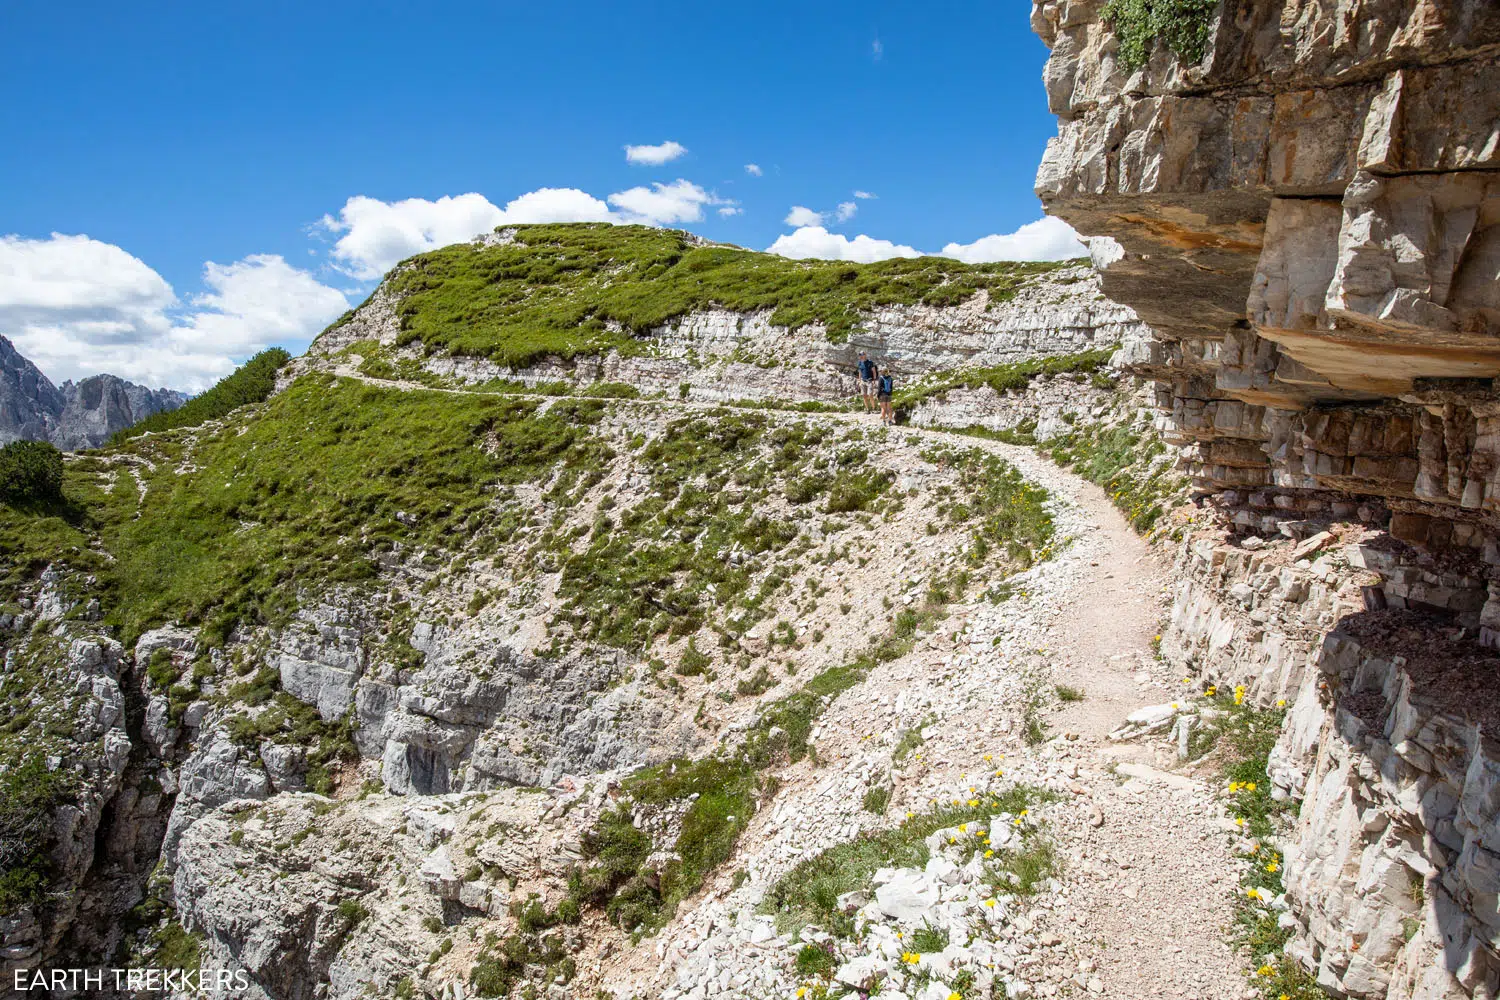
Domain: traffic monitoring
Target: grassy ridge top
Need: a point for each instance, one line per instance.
(569, 290)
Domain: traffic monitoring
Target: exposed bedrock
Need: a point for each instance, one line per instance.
(1311, 223)
(719, 354)
(1309, 217)
(1393, 866)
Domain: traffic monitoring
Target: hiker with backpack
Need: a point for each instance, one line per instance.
(866, 370)
(885, 386)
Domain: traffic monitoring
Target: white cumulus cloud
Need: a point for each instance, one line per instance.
(815, 241)
(654, 156)
(863, 195)
(845, 211)
(256, 301)
(801, 216)
(661, 204)
(78, 306)
(729, 210)
(1047, 238)
(375, 234)
(753, 169)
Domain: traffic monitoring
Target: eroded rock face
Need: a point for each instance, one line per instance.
(1390, 868)
(74, 415)
(717, 354)
(1311, 219)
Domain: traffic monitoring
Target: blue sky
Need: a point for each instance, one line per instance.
(223, 133)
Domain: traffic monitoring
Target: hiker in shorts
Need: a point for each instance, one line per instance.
(885, 385)
(866, 369)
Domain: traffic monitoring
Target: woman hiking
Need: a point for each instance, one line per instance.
(884, 387)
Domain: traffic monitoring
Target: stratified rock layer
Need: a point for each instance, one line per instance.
(1311, 223)
(1309, 219)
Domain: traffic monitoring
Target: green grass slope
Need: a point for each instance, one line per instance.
(579, 289)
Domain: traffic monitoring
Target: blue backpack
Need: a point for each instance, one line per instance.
(886, 384)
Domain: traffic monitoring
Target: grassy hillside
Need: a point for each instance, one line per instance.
(569, 290)
(252, 382)
(225, 527)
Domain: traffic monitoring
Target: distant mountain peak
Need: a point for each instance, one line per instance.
(75, 415)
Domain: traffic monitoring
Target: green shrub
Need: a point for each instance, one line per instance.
(251, 382)
(28, 794)
(814, 960)
(693, 662)
(1182, 24)
(31, 472)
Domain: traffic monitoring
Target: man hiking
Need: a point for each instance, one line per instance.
(866, 369)
(885, 386)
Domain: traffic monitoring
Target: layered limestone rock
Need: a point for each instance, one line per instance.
(1310, 219)
(718, 354)
(1391, 866)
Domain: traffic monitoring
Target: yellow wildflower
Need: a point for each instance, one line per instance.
(1264, 970)
(990, 903)
(989, 854)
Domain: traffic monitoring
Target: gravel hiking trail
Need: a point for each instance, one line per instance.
(1148, 905)
(1147, 871)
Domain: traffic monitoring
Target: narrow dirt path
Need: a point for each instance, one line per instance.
(1150, 886)
(1147, 872)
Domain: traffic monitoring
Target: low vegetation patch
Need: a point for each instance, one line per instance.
(1132, 465)
(28, 794)
(1183, 25)
(808, 894)
(1241, 737)
(329, 474)
(1005, 378)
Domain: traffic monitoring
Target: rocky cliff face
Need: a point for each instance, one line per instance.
(719, 354)
(1311, 224)
(1309, 218)
(96, 407)
(29, 402)
(74, 415)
